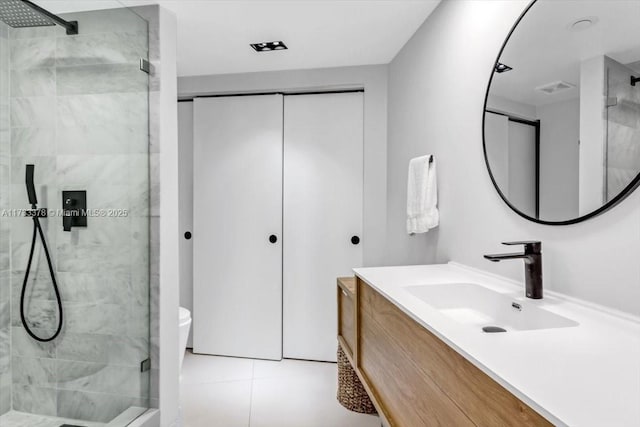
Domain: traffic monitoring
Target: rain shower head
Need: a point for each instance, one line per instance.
(23, 13)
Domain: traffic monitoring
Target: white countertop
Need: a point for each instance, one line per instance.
(586, 375)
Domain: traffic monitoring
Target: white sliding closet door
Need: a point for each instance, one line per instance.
(323, 178)
(237, 207)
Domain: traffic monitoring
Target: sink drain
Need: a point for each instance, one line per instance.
(493, 329)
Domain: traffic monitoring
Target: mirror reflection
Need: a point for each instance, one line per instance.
(562, 119)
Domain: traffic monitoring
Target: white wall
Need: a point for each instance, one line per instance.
(559, 159)
(592, 134)
(437, 85)
(512, 108)
(185, 178)
(169, 231)
(374, 81)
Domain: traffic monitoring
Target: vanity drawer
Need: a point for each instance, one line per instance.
(346, 314)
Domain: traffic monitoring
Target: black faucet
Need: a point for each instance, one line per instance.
(532, 257)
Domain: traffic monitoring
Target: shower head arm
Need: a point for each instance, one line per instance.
(70, 26)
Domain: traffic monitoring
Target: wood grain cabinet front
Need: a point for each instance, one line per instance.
(415, 379)
(346, 315)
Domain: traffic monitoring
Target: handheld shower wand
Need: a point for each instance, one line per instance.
(31, 189)
(37, 229)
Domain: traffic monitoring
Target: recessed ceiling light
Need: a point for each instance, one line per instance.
(267, 46)
(502, 68)
(583, 23)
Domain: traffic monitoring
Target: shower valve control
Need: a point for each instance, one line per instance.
(74, 209)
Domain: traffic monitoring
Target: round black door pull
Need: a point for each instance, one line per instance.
(187, 235)
(355, 240)
(273, 238)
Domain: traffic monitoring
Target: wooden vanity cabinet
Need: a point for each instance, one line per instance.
(415, 379)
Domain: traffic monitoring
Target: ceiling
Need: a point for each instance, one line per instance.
(214, 36)
(543, 49)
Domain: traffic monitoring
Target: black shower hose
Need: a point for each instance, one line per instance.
(38, 230)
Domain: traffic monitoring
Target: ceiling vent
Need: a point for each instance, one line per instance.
(555, 87)
(268, 46)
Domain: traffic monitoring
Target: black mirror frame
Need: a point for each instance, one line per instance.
(604, 208)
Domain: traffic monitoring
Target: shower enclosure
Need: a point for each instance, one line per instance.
(74, 103)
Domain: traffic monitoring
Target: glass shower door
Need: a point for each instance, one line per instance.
(76, 107)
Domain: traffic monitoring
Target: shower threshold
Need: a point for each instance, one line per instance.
(23, 419)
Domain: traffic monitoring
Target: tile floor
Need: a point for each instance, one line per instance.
(230, 392)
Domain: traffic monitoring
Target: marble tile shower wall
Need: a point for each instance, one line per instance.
(5, 248)
(79, 112)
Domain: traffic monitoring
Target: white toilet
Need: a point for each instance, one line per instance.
(185, 325)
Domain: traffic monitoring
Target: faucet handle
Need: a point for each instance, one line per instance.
(530, 246)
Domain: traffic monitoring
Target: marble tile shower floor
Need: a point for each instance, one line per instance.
(22, 419)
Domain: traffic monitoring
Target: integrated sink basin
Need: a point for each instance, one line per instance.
(476, 305)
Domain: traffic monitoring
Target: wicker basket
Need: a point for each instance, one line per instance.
(351, 393)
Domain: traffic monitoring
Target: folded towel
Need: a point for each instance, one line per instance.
(422, 195)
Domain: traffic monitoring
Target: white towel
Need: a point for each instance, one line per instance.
(422, 196)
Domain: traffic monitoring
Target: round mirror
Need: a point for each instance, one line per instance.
(562, 111)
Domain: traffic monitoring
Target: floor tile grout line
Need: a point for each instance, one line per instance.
(241, 380)
(306, 377)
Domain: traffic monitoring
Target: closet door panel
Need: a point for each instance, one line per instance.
(323, 179)
(237, 207)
